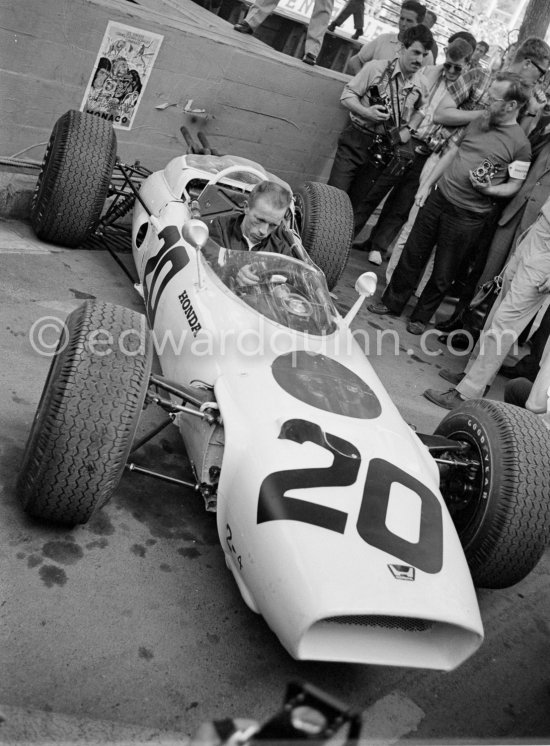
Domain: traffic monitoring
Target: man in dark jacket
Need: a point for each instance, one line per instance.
(260, 228)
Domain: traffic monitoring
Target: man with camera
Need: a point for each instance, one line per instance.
(384, 100)
(425, 141)
(387, 46)
(491, 163)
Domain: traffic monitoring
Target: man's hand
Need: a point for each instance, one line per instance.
(481, 186)
(422, 194)
(247, 275)
(208, 734)
(378, 113)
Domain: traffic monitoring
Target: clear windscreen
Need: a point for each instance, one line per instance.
(283, 289)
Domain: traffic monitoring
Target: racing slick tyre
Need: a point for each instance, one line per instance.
(88, 414)
(501, 514)
(74, 179)
(325, 217)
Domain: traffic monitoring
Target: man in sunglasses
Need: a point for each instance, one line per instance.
(396, 208)
(468, 96)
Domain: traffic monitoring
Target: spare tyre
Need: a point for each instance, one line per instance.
(74, 179)
(325, 219)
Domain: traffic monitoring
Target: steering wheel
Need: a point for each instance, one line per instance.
(269, 276)
(236, 169)
(286, 296)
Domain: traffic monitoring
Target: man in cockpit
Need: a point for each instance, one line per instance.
(260, 228)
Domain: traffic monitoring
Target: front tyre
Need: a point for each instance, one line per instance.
(501, 512)
(325, 217)
(74, 180)
(88, 414)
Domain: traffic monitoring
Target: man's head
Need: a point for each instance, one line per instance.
(457, 59)
(507, 94)
(531, 60)
(266, 207)
(430, 19)
(466, 35)
(412, 13)
(417, 42)
(480, 51)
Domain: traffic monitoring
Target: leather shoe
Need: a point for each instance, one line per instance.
(309, 59)
(243, 28)
(381, 310)
(416, 327)
(331, 27)
(518, 371)
(451, 324)
(450, 399)
(358, 33)
(451, 376)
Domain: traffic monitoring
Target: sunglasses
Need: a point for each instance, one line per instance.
(452, 66)
(541, 70)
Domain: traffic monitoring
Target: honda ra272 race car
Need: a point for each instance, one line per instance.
(356, 538)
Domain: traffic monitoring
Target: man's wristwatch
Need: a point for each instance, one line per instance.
(411, 129)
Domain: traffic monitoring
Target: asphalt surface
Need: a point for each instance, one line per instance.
(130, 628)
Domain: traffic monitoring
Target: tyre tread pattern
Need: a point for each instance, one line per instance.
(517, 527)
(87, 417)
(74, 179)
(327, 233)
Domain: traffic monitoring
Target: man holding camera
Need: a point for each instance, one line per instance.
(384, 101)
(396, 208)
(491, 163)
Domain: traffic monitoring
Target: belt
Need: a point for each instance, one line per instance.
(365, 131)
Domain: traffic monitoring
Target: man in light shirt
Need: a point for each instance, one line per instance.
(399, 203)
(387, 46)
(384, 101)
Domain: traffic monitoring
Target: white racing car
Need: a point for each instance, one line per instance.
(356, 538)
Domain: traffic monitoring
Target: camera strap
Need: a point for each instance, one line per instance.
(386, 80)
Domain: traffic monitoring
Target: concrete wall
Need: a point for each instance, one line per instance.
(261, 104)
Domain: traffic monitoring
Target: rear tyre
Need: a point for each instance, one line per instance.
(325, 218)
(88, 414)
(73, 183)
(502, 515)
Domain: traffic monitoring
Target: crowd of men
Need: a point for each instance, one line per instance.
(457, 157)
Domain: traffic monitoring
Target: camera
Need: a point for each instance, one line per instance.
(376, 98)
(308, 713)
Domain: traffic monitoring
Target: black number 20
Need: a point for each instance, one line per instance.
(273, 505)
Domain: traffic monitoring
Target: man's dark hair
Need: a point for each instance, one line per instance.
(417, 8)
(533, 48)
(276, 193)
(466, 35)
(517, 90)
(418, 33)
(432, 14)
(458, 50)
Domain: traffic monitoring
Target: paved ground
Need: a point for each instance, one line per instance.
(131, 629)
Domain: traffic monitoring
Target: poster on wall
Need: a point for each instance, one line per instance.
(120, 73)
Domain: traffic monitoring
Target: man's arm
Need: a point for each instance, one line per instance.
(365, 54)
(354, 91)
(448, 113)
(433, 177)
(506, 189)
